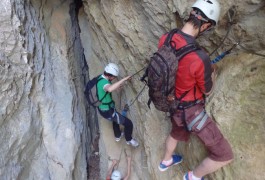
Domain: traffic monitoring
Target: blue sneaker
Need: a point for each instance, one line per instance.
(176, 160)
(188, 176)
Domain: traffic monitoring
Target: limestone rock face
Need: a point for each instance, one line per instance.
(43, 124)
(127, 32)
(49, 46)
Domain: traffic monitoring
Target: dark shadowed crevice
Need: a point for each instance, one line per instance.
(91, 122)
(78, 5)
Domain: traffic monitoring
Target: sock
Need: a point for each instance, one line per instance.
(168, 162)
(194, 177)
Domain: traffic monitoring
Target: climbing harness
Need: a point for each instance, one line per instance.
(125, 110)
(203, 116)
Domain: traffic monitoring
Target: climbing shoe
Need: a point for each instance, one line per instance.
(176, 159)
(133, 143)
(188, 176)
(117, 139)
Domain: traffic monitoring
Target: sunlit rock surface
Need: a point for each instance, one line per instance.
(127, 33)
(50, 48)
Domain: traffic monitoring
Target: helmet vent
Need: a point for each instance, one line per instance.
(210, 2)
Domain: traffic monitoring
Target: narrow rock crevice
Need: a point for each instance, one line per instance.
(51, 48)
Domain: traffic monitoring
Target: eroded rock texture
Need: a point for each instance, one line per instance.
(46, 127)
(43, 123)
(127, 33)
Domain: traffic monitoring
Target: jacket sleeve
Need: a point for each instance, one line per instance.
(202, 72)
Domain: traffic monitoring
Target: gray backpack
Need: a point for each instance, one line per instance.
(91, 92)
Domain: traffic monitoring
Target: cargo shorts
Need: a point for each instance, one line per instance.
(218, 147)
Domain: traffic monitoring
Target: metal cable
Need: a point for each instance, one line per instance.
(229, 28)
(230, 17)
(137, 95)
(239, 43)
(251, 51)
(138, 71)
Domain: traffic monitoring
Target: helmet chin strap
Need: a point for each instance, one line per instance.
(205, 31)
(200, 33)
(198, 15)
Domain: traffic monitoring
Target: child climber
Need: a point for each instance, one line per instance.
(107, 107)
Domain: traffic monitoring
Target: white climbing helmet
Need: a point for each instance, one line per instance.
(112, 69)
(116, 175)
(210, 8)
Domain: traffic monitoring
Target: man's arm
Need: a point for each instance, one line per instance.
(114, 162)
(129, 159)
(202, 71)
(116, 85)
(213, 76)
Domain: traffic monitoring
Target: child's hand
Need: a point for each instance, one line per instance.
(128, 78)
(114, 161)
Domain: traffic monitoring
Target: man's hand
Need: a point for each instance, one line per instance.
(214, 68)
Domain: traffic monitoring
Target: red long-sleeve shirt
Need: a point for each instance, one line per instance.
(194, 69)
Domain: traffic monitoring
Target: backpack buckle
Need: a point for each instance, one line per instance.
(170, 98)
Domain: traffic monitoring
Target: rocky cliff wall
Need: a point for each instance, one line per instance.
(127, 32)
(46, 127)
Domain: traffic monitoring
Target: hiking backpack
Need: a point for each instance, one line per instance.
(91, 92)
(161, 73)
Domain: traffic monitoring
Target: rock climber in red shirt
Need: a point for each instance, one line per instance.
(196, 76)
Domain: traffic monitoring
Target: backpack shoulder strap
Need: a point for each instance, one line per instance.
(169, 37)
(186, 49)
(182, 52)
(99, 79)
